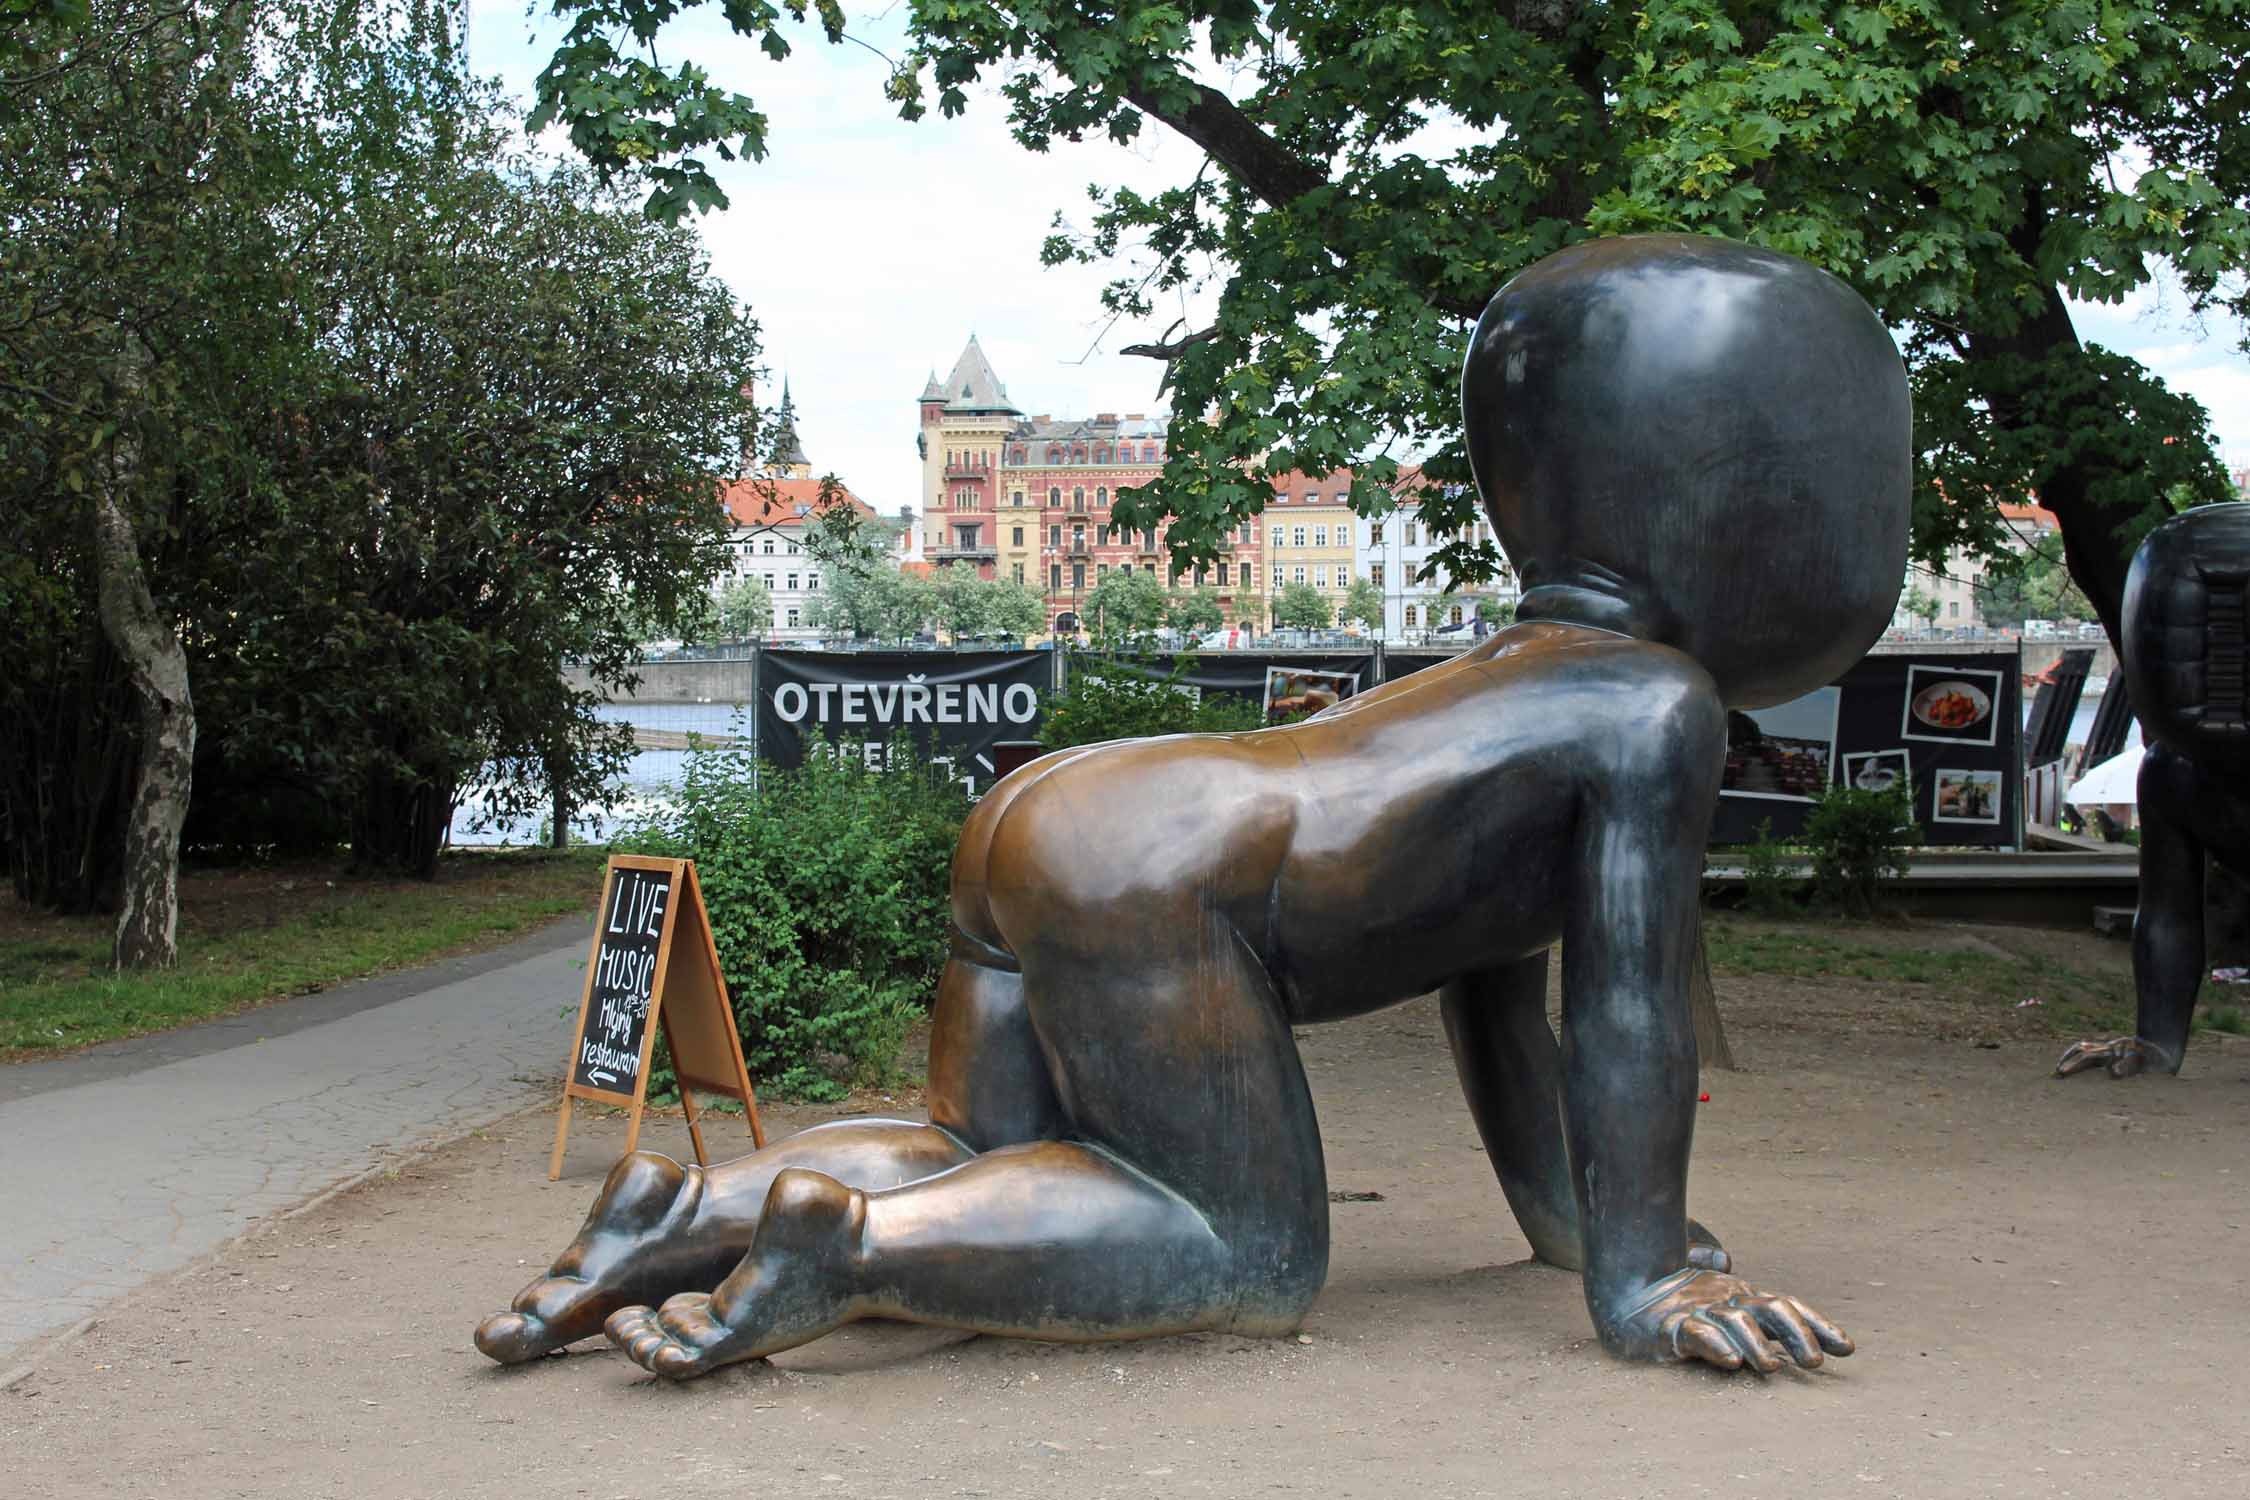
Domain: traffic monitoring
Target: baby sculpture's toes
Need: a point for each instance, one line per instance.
(679, 1341)
(2124, 1056)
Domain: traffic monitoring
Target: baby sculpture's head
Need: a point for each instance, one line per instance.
(1701, 443)
(2186, 610)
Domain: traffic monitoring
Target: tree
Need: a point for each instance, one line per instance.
(1194, 612)
(1124, 606)
(1493, 613)
(2032, 586)
(1966, 166)
(745, 608)
(1919, 605)
(1017, 609)
(1364, 603)
(1299, 607)
(963, 600)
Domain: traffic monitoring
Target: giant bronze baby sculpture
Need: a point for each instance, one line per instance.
(1697, 454)
(2183, 625)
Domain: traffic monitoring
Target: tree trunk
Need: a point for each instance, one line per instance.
(149, 906)
(1703, 1004)
(399, 824)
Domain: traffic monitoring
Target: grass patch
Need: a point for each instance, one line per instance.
(2073, 996)
(253, 935)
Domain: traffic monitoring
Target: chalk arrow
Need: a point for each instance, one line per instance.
(598, 1076)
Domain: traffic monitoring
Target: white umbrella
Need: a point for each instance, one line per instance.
(2117, 779)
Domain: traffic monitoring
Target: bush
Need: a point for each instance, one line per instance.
(827, 887)
(1859, 838)
(1121, 704)
(1767, 887)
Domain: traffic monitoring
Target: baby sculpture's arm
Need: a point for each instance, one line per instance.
(1629, 1055)
(2167, 930)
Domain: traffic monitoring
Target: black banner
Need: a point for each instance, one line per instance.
(611, 1033)
(1397, 664)
(954, 705)
(1952, 724)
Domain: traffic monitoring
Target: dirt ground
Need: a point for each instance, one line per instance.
(2045, 1280)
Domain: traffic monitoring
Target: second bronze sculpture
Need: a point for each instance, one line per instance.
(1697, 455)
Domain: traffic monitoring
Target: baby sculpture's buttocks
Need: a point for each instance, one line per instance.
(1697, 455)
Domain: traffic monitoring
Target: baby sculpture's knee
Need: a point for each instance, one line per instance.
(811, 1211)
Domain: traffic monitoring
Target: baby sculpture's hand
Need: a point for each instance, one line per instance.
(1723, 1320)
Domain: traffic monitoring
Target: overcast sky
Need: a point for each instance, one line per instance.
(869, 249)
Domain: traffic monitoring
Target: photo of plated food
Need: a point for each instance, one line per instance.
(1293, 694)
(1951, 704)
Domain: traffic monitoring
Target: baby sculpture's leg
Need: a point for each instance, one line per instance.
(1198, 1200)
(2167, 929)
(659, 1227)
(1511, 1073)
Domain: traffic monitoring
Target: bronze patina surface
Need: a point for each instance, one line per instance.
(2185, 659)
(1697, 455)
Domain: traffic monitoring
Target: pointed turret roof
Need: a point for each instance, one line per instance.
(933, 391)
(973, 386)
(792, 450)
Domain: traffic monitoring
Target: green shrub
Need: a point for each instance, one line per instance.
(1859, 838)
(1768, 888)
(827, 887)
(1121, 704)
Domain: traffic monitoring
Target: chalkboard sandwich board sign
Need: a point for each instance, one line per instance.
(653, 964)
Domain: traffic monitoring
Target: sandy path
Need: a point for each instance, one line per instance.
(2045, 1280)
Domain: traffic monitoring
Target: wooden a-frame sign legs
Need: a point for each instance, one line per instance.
(653, 963)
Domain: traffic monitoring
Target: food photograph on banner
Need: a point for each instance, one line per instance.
(1783, 753)
(1878, 770)
(1951, 705)
(1293, 693)
(1960, 796)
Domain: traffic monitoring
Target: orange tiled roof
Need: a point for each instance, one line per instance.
(775, 502)
(2034, 514)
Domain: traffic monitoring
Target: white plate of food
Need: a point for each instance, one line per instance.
(1952, 704)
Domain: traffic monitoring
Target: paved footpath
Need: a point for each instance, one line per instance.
(132, 1159)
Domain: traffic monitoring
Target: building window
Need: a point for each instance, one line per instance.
(1078, 500)
(1410, 617)
(1320, 578)
(1054, 496)
(1077, 575)
(1222, 575)
(1375, 574)
(1019, 566)
(1456, 615)
(1320, 536)
(1374, 533)
(1300, 573)
(1016, 458)
(1276, 534)
(1954, 609)
(1101, 496)
(1250, 531)
(1078, 455)
(1017, 539)
(1016, 498)
(812, 583)
(1277, 575)
(1054, 536)
(792, 581)
(1410, 533)
(1148, 453)
(1101, 570)
(792, 549)
(1054, 576)
(1101, 455)
(792, 619)
(968, 536)
(1077, 538)
(1148, 541)
(1343, 497)
(769, 546)
(769, 583)
(1054, 455)
(1311, 498)
(1297, 536)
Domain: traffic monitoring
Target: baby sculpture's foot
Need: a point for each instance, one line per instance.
(546, 1315)
(1722, 1320)
(793, 1286)
(2125, 1056)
